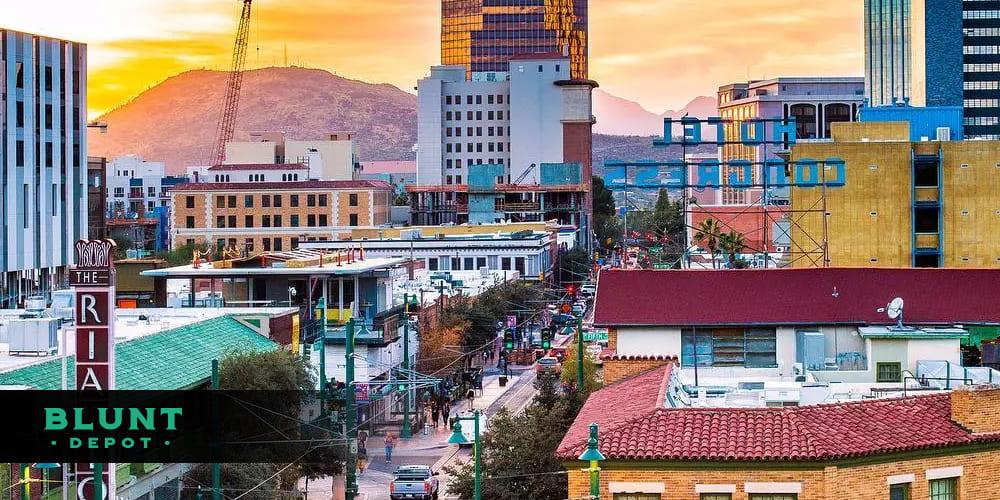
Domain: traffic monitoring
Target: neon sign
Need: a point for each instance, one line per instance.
(752, 131)
(740, 174)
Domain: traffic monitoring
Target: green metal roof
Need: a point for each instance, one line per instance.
(174, 359)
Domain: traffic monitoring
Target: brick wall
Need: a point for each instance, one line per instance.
(613, 338)
(620, 367)
(824, 481)
(975, 408)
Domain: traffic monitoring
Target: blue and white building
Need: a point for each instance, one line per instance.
(43, 192)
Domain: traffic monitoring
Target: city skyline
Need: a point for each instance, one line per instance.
(134, 46)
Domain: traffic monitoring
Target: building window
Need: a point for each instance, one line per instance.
(944, 489)
(352, 199)
(432, 264)
(277, 244)
(294, 243)
(294, 220)
(322, 220)
(232, 201)
(220, 202)
(637, 496)
(899, 491)
(311, 220)
(248, 201)
(716, 496)
(352, 219)
(447, 100)
(248, 221)
(277, 221)
(489, 99)
(189, 242)
(888, 372)
(500, 99)
(774, 496)
(750, 347)
(277, 201)
(479, 99)
(189, 223)
(231, 221)
(311, 200)
(265, 201)
(188, 200)
(293, 200)
(267, 244)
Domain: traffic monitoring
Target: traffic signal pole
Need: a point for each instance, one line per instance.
(579, 354)
(351, 489)
(407, 431)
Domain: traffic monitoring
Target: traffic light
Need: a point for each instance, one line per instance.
(508, 340)
(571, 291)
(546, 338)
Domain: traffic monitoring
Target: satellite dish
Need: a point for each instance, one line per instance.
(895, 308)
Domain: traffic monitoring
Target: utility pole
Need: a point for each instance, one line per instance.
(407, 431)
(216, 467)
(579, 354)
(351, 490)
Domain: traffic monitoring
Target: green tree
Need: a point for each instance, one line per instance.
(708, 234)
(181, 255)
(591, 382)
(732, 243)
(604, 199)
(573, 266)
(607, 224)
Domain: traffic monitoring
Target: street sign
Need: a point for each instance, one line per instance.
(511, 321)
(595, 336)
(361, 392)
(94, 281)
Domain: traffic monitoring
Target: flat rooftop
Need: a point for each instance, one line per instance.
(128, 327)
(330, 268)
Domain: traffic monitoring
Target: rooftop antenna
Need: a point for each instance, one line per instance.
(895, 311)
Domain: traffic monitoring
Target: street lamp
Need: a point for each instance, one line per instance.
(458, 438)
(593, 455)
(406, 431)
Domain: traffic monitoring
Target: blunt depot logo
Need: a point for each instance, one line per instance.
(108, 422)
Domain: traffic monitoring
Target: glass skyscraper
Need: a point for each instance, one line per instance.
(483, 35)
(981, 68)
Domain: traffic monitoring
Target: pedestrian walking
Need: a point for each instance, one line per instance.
(390, 443)
(434, 415)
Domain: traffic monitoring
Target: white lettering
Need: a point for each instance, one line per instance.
(88, 303)
(91, 344)
(90, 381)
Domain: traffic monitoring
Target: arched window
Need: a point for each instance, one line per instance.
(833, 113)
(805, 120)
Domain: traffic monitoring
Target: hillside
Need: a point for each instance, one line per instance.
(618, 116)
(175, 121)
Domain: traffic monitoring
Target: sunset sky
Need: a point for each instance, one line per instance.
(660, 53)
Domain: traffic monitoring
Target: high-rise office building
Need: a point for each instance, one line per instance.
(482, 35)
(981, 68)
(936, 53)
(43, 192)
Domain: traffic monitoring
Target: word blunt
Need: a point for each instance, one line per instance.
(57, 419)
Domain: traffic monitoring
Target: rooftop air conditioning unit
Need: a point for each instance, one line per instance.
(943, 134)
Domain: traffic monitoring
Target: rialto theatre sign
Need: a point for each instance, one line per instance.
(93, 280)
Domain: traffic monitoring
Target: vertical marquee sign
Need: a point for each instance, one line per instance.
(93, 280)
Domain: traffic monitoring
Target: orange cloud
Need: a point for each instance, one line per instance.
(658, 52)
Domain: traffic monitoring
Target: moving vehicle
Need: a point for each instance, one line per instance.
(577, 310)
(588, 290)
(548, 366)
(414, 481)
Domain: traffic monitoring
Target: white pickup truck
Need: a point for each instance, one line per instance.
(417, 482)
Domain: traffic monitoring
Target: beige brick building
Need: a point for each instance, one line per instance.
(941, 446)
(274, 216)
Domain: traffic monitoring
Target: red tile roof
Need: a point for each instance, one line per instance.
(635, 426)
(284, 186)
(259, 166)
(795, 296)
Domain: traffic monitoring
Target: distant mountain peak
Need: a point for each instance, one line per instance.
(619, 116)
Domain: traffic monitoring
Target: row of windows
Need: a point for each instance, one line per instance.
(981, 49)
(475, 131)
(457, 100)
(469, 162)
(473, 115)
(938, 489)
(980, 120)
(982, 103)
(249, 221)
(19, 154)
(990, 85)
(266, 200)
(981, 68)
(490, 146)
(982, 31)
(981, 14)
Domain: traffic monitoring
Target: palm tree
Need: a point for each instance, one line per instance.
(732, 243)
(708, 234)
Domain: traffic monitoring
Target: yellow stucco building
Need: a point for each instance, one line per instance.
(902, 203)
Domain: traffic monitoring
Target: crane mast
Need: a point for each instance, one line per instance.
(227, 118)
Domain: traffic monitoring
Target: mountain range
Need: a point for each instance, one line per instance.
(175, 120)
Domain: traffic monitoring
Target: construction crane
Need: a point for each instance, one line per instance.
(227, 118)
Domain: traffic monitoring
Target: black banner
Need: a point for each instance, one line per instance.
(166, 426)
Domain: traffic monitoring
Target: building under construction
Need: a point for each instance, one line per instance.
(559, 195)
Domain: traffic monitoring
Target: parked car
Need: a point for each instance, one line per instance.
(414, 482)
(577, 310)
(548, 366)
(588, 290)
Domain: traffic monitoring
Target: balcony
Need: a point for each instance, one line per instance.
(528, 206)
(443, 207)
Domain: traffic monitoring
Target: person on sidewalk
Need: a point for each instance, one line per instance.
(390, 443)
(434, 415)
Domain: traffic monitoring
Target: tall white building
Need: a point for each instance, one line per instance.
(136, 186)
(43, 196)
(534, 114)
(333, 157)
